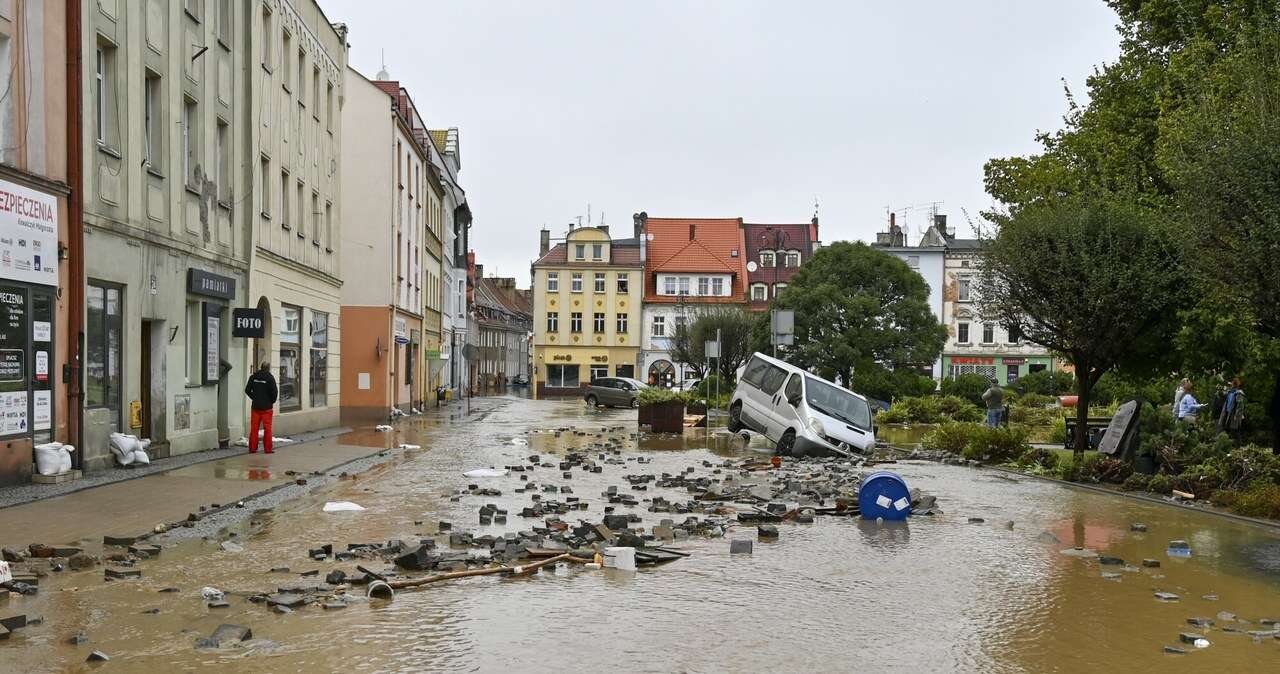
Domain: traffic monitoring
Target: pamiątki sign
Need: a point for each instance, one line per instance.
(200, 282)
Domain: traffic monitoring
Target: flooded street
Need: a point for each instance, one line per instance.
(938, 593)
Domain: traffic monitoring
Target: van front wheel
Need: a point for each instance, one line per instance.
(735, 418)
(787, 443)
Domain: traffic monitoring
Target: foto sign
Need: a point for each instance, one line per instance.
(248, 323)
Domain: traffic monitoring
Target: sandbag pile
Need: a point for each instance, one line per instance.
(53, 458)
(129, 450)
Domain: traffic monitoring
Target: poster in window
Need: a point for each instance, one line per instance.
(42, 331)
(182, 412)
(42, 366)
(42, 417)
(13, 412)
(11, 365)
(212, 343)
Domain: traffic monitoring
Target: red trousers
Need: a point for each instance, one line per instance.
(260, 418)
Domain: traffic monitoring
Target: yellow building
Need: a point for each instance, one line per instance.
(587, 295)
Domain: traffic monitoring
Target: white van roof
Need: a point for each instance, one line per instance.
(795, 368)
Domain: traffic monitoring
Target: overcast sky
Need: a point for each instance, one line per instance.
(727, 109)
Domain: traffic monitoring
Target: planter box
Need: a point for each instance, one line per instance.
(663, 417)
(696, 408)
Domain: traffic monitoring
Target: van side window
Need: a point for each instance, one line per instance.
(755, 372)
(773, 379)
(793, 387)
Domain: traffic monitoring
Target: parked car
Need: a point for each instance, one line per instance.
(688, 384)
(519, 380)
(613, 392)
(804, 414)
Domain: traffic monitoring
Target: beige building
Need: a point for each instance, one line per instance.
(389, 192)
(168, 122)
(587, 296)
(297, 62)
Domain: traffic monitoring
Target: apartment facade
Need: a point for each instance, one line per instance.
(446, 157)
(689, 264)
(167, 120)
(587, 307)
(36, 405)
(295, 92)
(383, 296)
(503, 321)
(927, 258)
(774, 254)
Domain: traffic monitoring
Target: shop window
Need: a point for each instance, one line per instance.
(319, 389)
(562, 376)
(599, 372)
(628, 371)
(290, 359)
(103, 347)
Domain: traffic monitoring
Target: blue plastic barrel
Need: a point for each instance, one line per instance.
(884, 495)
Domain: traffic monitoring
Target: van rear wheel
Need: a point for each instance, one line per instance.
(735, 418)
(787, 443)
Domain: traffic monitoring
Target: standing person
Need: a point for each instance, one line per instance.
(1178, 392)
(1232, 418)
(262, 391)
(994, 398)
(1188, 407)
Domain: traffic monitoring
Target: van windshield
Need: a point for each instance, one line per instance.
(834, 401)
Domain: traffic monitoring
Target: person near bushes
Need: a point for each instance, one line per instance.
(994, 398)
(263, 392)
(1232, 417)
(1178, 392)
(1188, 407)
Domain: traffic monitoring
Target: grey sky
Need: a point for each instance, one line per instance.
(726, 109)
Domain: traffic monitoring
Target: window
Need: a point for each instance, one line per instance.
(778, 288)
(622, 324)
(579, 251)
(104, 343)
(623, 283)
(684, 285)
(597, 251)
(266, 36)
(792, 259)
(284, 199)
(759, 292)
(302, 75)
(576, 282)
(598, 323)
(105, 92)
(190, 140)
(302, 217)
(659, 327)
(766, 258)
(1015, 334)
(7, 117)
(575, 321)
(627, 371)
(319, 359)
(290, 358)
(668, 285)
(562, 376)
(315, 219)
(988, 333)
(772, 379)
(793, 389)
(962, 333)
(224, 21)
(717, 286)
(553, 321)
(194, 335)
(704, 285)
(602, 372)
(315, 91)
(553, 282)
(284, 61)
(224, 162)
(962, 290)
(328, 106)
(913, 261)
(754, 372)
(599, 282)
(266, 186)
(151, 127)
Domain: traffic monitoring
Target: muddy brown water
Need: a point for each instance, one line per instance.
(935, 594)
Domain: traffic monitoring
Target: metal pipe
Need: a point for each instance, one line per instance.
(75, 224)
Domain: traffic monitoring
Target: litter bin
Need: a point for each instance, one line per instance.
(884, 495)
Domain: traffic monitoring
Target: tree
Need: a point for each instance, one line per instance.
(734, 324)
(859, 312)
(1091, 278)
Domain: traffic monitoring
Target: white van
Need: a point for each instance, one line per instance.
(805, 414)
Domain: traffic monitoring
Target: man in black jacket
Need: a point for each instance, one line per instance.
(262, 392)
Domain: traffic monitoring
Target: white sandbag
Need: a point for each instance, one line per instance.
(382, 428)
(122, 444)
(64, 465)
(49, 458)
(485, 472)
(140, 457)
(342, 506)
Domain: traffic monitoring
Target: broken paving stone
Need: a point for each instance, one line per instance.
(1226, 616)
(1151, 563)
(220, 603)
(1200, 622)
(283, 610)
(767, 532)
(97, 656)
(78, 639)
(976, 520)
(1174, 650)
(740, 546)
(1167, 596)
(231, 546)
(227, 634)
(286, 599)
(120, 540)
(121, 574)
(1110, 561)
(11, 555)
(336, 577)
(1189, 637)
(1137, 526)
(14, 622)
(205, 643)
(40, 551)
(81, 562)
(333, 605)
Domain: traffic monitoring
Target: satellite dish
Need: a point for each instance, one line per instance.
(752, 266)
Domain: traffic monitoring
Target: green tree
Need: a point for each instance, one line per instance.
(1093, 279)
(859, 313)
(735, 326)
(968, 386)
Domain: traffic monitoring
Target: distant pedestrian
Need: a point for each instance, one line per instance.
(1232, 417)
(1188, 407)
(1178, 392)
(994, 398)
(262, 391)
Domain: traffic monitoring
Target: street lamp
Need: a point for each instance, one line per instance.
(776, 239)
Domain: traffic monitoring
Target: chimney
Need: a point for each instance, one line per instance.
(693, 231)
(636, 224)
(893, 220)
(479, 271)
(544, 241)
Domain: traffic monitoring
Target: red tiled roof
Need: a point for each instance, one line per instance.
(621, 256)
(707, 245)
(795, 237)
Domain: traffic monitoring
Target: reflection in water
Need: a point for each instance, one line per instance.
(934, 593)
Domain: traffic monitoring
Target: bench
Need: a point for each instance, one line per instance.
(1095, 427)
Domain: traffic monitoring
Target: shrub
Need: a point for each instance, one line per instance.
(1034, 416)
(656, 395)
(1136, 482)
(997, 445)
(1037, 457)
(1160, 484)
(1058, 433)
(707, 387)
(967, 386)
(953, 437)
(1261, 499)
(884, 384)
(894, 415)
(1035, 400)
(1047, 383)
(956, 408)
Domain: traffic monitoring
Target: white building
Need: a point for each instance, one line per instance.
(927, 259)
(453, 370)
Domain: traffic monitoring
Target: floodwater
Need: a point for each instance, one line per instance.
(934, 594)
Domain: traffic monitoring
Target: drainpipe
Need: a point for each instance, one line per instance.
(75, 223)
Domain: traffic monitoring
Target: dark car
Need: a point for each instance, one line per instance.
(612, 392)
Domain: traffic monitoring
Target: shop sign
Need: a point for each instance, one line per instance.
(28, 235)
(402, 330)
(432, 354)
(200, 282)
(600, 359)
(562, 358)
(1014, 361)
(248, 323)
(972, 360)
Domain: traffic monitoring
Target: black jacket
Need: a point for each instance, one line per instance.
(262, 390)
